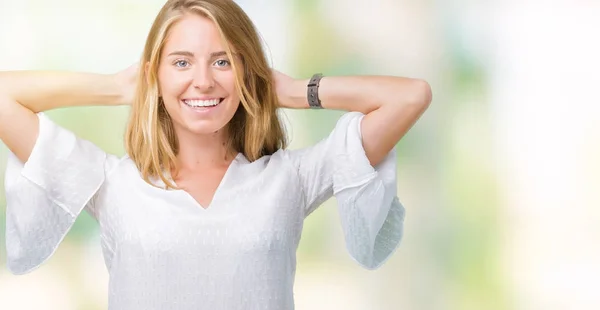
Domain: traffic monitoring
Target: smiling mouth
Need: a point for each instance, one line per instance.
(193, 103)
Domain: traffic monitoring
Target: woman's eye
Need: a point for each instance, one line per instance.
(181, 63)
(222, 63)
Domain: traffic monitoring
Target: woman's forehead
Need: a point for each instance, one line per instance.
(195, 34)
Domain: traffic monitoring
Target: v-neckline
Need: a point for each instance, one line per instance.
(210, 205)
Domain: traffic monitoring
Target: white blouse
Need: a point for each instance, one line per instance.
(164, 251)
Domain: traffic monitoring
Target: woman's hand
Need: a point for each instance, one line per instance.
(291, 93)
(127, 81)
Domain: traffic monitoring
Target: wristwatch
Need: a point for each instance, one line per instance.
(313, 92)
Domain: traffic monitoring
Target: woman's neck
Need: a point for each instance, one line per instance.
(199, 152)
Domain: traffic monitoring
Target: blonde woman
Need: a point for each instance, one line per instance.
(206, 209)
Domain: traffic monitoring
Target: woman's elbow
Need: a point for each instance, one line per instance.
(422, 94)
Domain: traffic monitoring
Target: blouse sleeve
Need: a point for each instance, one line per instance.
(371, 215)
(45, 195)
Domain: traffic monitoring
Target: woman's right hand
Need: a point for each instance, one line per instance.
(127, 81)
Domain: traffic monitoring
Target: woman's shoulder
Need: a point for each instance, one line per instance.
(277, 160)
(121, 168)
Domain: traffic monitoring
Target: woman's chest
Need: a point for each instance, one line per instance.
(254, 219)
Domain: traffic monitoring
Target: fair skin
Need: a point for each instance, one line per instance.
(391, 104)
(192, 73)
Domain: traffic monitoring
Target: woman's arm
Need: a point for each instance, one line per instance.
(40, 91)
(24, 93)
(391, 105)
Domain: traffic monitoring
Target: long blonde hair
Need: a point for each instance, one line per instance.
(255, 129)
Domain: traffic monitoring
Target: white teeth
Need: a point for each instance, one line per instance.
(201, 103)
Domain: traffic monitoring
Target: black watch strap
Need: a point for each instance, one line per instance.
(313, 92)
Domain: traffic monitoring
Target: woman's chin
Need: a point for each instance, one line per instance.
(204, 127)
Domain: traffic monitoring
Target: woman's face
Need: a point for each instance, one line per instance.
(195, 77)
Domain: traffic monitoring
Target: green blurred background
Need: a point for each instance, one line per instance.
(499, 177)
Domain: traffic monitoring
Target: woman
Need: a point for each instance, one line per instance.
(206, 209)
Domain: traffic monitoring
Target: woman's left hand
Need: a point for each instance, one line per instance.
(127, 81)
(290, 91)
